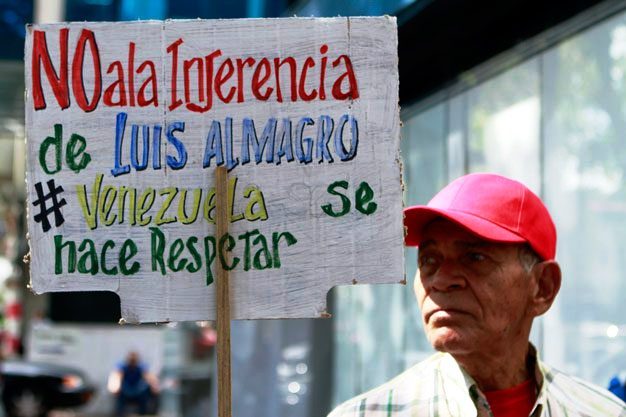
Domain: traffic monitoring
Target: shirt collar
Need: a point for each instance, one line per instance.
(462, 392)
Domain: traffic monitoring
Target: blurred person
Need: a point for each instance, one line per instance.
(486, 269)
(132, 384)
(617, 385)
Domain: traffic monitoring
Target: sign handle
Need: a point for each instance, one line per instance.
(223, 301)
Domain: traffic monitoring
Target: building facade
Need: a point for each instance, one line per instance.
(549, 112)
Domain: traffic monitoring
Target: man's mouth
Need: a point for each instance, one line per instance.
(443, 313)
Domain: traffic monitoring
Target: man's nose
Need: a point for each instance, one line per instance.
(448, 277)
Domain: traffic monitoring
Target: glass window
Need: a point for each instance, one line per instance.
(424, 155)
(378, 330)
(457, 136)
(503, 125)
(585, 166)
(556, 122)
(503, 129)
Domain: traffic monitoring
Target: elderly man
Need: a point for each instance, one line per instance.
(486, 270)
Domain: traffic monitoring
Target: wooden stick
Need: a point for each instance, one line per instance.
(223, 301)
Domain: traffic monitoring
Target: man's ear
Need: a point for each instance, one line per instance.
(547, 277)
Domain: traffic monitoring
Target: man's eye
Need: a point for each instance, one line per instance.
(476, 257)
(425, 261)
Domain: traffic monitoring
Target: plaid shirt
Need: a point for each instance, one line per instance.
(439, 387)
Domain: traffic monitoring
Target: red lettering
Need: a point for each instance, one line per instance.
(78, 86)
(58, 83)
(353, 91)
(240, 64)
(258, 80)
(221, 78)
(173, 49)
(150, 81)
(308, 63)
(292, 77)
(323, 50)
(209, 71)
(202, 78)
(107, 99)
(187, 65)
(131, 73)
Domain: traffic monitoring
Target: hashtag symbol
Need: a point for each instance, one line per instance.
(45, 211)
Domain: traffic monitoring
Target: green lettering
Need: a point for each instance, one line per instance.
(191, 267)
(71, 153)
(364, 196)
(157, 247)
(246, 251)
(175, 250)
(125, 256)
(289, 238)
(45, 145)
(103, 256)
(227, 239)
(90, 256)
(58, 255)
(345, 201)
(209, 256)
(264, 252)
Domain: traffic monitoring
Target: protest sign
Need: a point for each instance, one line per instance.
(126, 123)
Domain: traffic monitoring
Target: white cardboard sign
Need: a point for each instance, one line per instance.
(126, 123)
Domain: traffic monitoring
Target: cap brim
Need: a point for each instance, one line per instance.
(416, 217)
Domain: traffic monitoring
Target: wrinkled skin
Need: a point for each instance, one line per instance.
(478, 301)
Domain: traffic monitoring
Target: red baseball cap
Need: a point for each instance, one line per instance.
(492, 207)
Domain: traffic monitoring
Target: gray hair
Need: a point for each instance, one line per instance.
(528, 258)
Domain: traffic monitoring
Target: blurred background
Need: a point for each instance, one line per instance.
(530, 89)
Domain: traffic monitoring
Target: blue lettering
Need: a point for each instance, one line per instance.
(285, 147)
(120, 125)
(156, 147)
(324, 132)
(228, 138)
(172, 162)
(304, 157)
(213, 147)
(340, 149)
(268, 135)
(134, 143)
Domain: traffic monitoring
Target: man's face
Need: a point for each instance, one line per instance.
(133, 358)
(474, 294)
